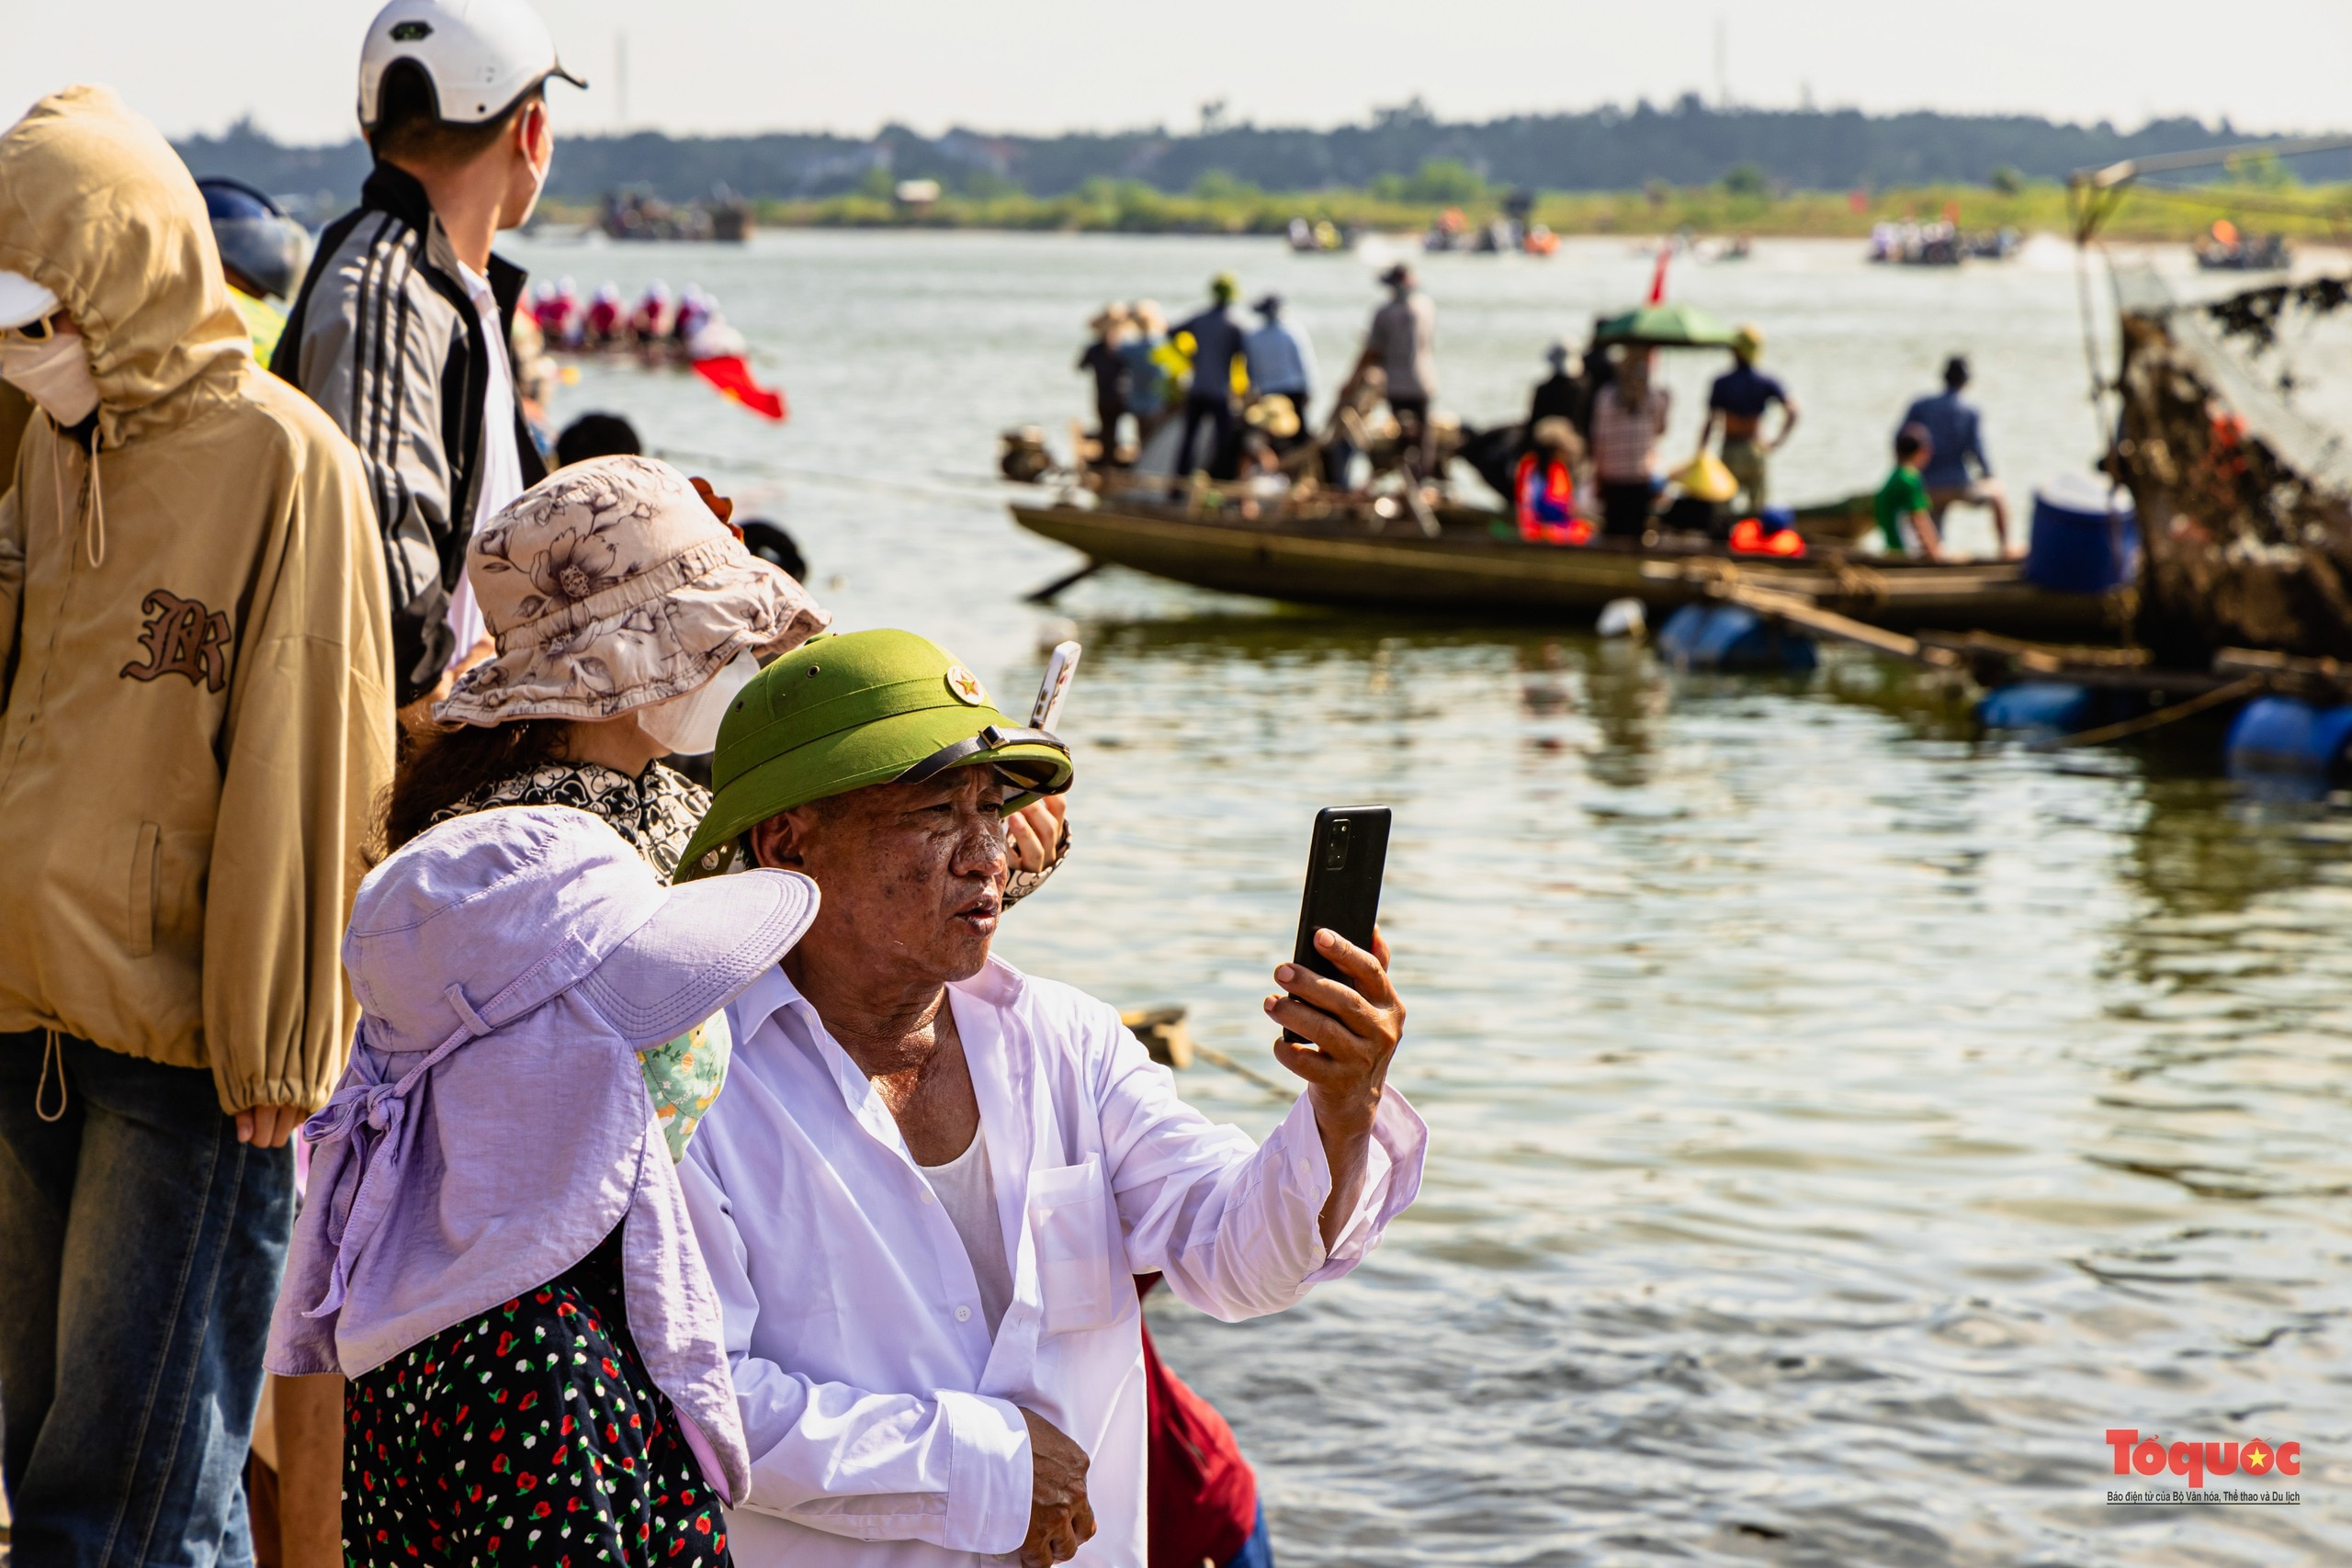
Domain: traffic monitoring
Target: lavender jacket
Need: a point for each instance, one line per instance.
(493, 1126)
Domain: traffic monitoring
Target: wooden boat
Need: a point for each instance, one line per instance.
(1475, 565)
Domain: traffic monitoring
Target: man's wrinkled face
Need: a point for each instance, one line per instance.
(912, 875)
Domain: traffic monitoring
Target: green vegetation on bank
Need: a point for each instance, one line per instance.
(1743, 202)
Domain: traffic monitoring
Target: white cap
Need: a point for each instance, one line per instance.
(480, 55)
(23, 300)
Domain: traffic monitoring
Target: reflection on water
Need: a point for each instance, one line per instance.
(1839, 1123)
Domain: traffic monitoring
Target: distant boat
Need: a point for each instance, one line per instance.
(1355, 556)
(641, 215)
(2222, 248)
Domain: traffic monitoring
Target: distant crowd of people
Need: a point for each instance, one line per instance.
(1584, 465)
(1243, 393)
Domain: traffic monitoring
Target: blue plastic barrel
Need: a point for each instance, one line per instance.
(1726, 637)
(2086, 537)
(2050, 708)
(2286, 735)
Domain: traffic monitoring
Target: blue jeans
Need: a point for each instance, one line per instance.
(140, 1245)
(1258, 1551)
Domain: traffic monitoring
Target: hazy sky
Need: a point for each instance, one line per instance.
(723, 65)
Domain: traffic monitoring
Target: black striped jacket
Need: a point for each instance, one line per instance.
(385, 339)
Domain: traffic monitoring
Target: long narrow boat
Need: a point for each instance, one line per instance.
(1388, 563)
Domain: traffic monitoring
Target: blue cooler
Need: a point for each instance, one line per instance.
(2086, 537)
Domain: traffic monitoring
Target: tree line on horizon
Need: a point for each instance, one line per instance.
(1406, 150)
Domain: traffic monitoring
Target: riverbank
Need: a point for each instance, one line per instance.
(1230, 208)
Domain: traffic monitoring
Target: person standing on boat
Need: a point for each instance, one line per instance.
(1281, 363)
(1737, 404)
(1563, 394)
(1149, 382)
(1220, 345)
(401, 332)
(1402, 342)
(1628, 418)
(1905, 514)
(1957, 472)
(1102, 360)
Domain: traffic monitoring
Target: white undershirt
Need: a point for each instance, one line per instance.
(501, 479)
(967, 1189)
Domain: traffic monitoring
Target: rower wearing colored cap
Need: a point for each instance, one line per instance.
(933, 1178)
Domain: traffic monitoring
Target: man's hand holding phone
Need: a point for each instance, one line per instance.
(1352, 1031)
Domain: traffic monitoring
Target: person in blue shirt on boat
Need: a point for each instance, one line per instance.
(1281, 359)
(1737, 404)
(1220, 341)
(1958, 471)
(1149, 385)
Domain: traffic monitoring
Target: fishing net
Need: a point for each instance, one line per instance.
(2234, 452)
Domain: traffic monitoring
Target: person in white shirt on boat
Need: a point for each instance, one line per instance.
(931, 1178)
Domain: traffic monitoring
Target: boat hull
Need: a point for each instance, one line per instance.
(1507, 580)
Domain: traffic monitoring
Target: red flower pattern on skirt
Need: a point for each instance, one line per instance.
(603, 1480)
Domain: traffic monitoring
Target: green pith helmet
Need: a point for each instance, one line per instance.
(840, 713)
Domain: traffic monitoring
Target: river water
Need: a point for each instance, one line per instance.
(1839, 1123)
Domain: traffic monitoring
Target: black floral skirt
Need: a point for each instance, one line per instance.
(528, 1434)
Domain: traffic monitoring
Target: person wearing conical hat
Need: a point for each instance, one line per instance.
(925, 1195)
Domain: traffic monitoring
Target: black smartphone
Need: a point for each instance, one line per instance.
(1343, 868)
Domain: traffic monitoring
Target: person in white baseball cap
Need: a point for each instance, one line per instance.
(401, 329)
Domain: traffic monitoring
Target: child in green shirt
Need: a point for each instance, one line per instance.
(1904, 497)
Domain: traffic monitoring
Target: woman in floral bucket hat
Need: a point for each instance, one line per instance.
(627, 615)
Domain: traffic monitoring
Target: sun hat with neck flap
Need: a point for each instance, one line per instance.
(841, 713)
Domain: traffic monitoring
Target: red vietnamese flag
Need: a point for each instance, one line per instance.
(732, 375)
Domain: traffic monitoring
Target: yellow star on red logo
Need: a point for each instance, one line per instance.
(2256, 1457)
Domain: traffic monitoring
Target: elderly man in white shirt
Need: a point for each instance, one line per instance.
(931, 1178)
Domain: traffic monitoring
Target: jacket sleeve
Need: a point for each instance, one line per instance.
(307, 750)
(366, 357)
(1237, 1229)
(950, 1468)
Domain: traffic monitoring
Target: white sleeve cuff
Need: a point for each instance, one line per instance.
(988, 1474)
(1392, 1176)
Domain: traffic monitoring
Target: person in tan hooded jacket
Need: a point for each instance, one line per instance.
(195, 726)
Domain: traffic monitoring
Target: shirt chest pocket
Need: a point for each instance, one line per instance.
(1080, 1263)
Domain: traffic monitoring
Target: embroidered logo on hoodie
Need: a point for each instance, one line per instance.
(183, 639)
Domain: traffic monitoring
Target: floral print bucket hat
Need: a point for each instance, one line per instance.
(610, 585)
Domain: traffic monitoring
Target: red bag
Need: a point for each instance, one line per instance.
(1203, 1494)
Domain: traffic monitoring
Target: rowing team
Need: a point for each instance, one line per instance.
(686, 323)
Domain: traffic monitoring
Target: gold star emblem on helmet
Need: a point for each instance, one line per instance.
(966, 686)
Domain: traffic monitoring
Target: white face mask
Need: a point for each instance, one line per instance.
(689, 725)
(53, 372)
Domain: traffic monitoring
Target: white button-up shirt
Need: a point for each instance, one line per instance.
(885, 1425)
